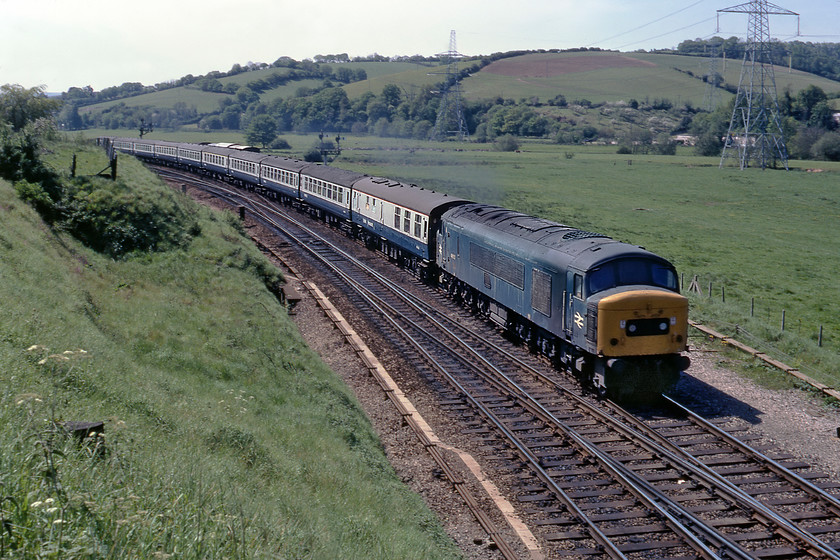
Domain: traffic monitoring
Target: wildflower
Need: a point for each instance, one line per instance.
(52, 509)
(26, 397)
(58, 521)
(56, 357)
(35, 505)
(35, 347)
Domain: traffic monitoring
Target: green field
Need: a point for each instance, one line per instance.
(667, 77)
(203, 101)
(405, 74)
(225, 436)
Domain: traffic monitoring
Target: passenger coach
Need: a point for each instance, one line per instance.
(403, 217)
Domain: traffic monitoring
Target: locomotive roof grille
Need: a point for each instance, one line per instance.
(579, 234)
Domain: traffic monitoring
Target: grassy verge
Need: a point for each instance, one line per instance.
(225, 437)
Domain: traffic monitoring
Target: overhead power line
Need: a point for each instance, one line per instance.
(645, 24)
(667, 33)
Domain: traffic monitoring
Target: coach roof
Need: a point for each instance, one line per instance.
(408, 196)
(333, 175)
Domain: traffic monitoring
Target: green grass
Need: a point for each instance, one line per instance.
(794, 80)
(225, 436)
(409, 77)
(203, 101)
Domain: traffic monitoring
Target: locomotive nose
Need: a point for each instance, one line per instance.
(642, 323)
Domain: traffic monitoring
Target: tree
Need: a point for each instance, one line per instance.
(262, 130)
(391, 96)
(827, 147)
(20, 106)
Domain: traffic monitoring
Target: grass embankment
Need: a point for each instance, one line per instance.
(225, 437)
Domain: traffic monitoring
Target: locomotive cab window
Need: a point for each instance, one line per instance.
(630, 272)
(578, 286)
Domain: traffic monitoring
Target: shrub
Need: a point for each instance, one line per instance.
(506, 143)
(827, 147)
(280, 144)
(313, 155)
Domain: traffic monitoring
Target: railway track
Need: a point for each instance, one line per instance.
(591, 478)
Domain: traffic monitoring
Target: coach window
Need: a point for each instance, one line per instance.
(396, 217)
(418, 225)
(407, 221)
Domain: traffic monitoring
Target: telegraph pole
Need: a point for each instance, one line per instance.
(755, 130)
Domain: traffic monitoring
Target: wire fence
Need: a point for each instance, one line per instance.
(760, 343)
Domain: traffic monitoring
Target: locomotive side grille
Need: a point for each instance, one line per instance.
(592, 322)
(498, 265)
(541, 292)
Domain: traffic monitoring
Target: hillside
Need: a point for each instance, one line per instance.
(224, 435)
(611, 77)
(595, 76)
(636, 100)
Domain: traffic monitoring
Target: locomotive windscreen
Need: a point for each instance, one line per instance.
(631, 272)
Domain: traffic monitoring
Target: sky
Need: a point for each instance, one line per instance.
(100, 43)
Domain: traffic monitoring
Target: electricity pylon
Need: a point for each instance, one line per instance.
(713, 79)
(450, 117)
(755, 130)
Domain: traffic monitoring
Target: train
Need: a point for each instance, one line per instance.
(609, 311)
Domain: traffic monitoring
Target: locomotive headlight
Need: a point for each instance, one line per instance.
(632, 328)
